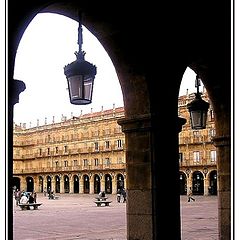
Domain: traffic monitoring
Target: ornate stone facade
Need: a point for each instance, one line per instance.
(86, 154)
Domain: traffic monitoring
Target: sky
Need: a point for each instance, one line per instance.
(47, 45)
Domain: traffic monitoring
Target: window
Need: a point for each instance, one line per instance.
(119, 160)
(107, 144)
(40, 151)
(48, 151)
(196, 157)
(211, 115)
(56, 163)
(212, 132)
(65, 163)
(96, 162)
(74, 163)
(85, 162)
(180, 157)
(96, 147)
(107, 161)
(213, 156)
(119, 143)
(65, 149)
(195, 133)
(56, 149)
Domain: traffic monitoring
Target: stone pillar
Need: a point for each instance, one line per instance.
(71, 184)
(53, 184)
(91, 180)
(81, 182)
(45, 184)
(139, 185)
(62, 184)
(224, 186)
(102, 186)
(114, 185)
(206, 185)
(15, 87)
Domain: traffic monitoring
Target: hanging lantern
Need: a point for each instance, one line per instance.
(80, 75)
(198, 109)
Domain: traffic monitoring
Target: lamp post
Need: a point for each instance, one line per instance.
(80, 75)
(198, 109)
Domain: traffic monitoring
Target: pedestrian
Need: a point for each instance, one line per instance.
(190, 195)
(118, 195)
(17, 195)
(31, 198)
(35, 196)
(124, 194)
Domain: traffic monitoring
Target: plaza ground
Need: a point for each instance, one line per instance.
(75, 216)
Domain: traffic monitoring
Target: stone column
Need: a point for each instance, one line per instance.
(81, 183)
(224, 186)
(102, 184)
(62, 184)
(15, 87)
(114, 184)
(206, 185)
(91, 180)
(139, 184)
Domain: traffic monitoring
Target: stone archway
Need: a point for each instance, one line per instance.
(147, 111)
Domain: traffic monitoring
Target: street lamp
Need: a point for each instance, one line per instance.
(198, 109)
(80, 75)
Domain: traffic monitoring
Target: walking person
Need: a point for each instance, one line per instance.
(124, 194)
(118, 195)
(17, 196)
(35, 196)
(190, 195)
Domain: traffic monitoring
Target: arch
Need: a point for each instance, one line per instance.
(66, 184)
(57, 184)
(97, 183)
(49, 184)
(75, 184)
(40, 184)
(16, 183)
(183, 183)
(198, 183)
(30, 184)
(139, 78)
(86, 183)
(108, 183)
(213, 183)
(120, 181)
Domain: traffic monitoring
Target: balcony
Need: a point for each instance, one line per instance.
(119, 166)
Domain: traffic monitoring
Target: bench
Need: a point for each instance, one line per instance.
(104, 202)
(101, 198)
(27, 206)
(54, 197)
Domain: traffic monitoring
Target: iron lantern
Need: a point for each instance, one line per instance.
(198, 109)
(80, 75)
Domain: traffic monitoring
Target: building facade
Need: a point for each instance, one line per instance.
(86, 154)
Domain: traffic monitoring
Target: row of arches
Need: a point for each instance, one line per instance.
(201, 183)
(71, 183)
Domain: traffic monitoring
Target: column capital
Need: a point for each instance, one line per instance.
(135, 123)
(221, 141)
(16, 87)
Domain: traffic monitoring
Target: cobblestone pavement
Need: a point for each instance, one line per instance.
(77, 217)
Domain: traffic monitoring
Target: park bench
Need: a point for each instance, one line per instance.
(104, 202)
(27, 206)
(101, 198)
(54, 197)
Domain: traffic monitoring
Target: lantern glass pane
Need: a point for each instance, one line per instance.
(88, 86)
(198, 119)
(75, 87)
